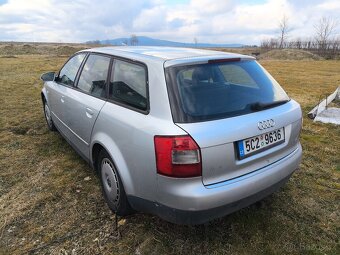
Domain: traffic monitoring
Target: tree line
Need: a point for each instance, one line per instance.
(325, 41)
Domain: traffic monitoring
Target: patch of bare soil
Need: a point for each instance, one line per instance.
(289, 54)
(10, 50)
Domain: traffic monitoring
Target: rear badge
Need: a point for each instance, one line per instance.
(266, 124)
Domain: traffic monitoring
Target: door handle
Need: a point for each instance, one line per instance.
(89, 112)
(62, 99)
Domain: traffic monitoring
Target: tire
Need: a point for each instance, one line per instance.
(112, 186)
(48, 117)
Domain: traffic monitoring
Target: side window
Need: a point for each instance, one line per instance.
(128, 84)
(93, 76)
(68, 73)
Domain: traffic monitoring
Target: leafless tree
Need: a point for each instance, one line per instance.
(284, 29)
(324, 29)
(195, 41)
(298, 43)
(273, 43)
(133, 40)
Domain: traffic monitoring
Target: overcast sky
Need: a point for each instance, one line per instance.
(210, 21)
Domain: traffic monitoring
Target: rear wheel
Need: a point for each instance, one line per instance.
(112, 186)
(48, 117)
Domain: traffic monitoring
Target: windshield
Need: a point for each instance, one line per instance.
(220, 90)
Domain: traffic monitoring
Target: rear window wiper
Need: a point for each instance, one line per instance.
(258, 106)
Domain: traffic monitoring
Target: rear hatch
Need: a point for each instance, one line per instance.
(236, 112)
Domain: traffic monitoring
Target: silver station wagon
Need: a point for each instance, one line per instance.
(189, 135)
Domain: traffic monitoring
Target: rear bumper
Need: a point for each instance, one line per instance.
(188, 201)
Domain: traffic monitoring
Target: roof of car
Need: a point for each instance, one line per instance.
(164, 53)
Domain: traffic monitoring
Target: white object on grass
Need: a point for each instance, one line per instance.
(326, 114)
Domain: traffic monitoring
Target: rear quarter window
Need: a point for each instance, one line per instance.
(128, 84)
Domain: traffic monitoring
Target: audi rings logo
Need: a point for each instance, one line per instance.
(266, 124)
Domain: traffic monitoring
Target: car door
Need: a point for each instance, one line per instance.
(85, 101)
(57, 89)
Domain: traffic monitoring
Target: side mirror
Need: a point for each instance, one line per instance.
(49, 76)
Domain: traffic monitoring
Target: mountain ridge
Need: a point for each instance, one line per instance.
(148, 41)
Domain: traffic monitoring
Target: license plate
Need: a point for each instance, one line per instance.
(259, 143)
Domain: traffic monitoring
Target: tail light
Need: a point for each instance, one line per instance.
(177, 156)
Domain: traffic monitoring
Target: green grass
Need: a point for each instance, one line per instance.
(47, 207)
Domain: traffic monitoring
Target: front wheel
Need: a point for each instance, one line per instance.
(112, 186)
(48, 117)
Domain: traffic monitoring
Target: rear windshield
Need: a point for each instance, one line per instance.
(220, 90)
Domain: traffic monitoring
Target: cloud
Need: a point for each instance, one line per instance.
(211, 6)
(149, 20)
(227, 21)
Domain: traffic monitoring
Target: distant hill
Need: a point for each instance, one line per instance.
(148, 41)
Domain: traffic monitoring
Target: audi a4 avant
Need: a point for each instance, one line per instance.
(189, 135)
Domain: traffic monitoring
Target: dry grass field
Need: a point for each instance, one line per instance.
(50, 200)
